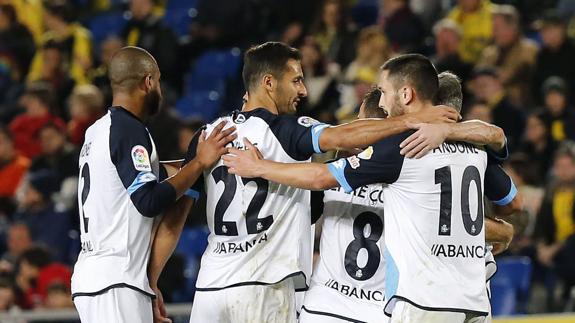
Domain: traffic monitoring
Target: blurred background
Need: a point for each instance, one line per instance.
(516, 59)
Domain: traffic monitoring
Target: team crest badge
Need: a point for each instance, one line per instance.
(307, 121)
(366, 154)
(140, 159)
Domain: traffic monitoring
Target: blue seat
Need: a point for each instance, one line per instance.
(510, 286)
(193, 241)
(181, 4)
(222, 63)
(179, 20)
(107, 24)
(202, 104)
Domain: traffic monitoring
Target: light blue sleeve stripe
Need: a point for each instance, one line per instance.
(140, 180)
(315, 134)
(192, 193)
(338, 173)
(506, 200)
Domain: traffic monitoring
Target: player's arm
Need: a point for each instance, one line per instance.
(381, 166)
(499, 233)
(430, 136)
(149, 195)
(365, 132)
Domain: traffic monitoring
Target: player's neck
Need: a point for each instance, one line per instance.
(130, 103)
(256, 101)
(417, 107)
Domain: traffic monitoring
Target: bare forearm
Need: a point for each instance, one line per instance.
(167, 236)
(186, 177)
(498, 231)
(361, 133)
(311, 176)
(477, 132)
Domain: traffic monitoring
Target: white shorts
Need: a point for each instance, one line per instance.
(118, 305)
(324, 305)
(404, 312)
(246, 304)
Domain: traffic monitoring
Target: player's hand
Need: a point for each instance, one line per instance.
(210, 149)
(160, 314)
(244, 163)
(438, 114)
(427, 137)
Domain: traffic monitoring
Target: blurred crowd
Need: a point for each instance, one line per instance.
(516, 60)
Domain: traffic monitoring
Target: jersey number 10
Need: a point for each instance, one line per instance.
(443, 177)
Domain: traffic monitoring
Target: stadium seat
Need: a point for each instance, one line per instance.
(364, 12)
(193, 242)
(201, 104)
(510, 286)
(180, 4)
(179, 20)
(106, 25)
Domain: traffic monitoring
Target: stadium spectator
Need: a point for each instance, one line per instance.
(13, 165)
(19, 241)
(37, 211)
(86, 105)
(555, 228)
(54, 72)
(16, 43)
(145, 29)
(560, 118)
(479, 111)
(29, 13)
(401, 26)
(320, 81)
(73, 39)
(372, 50)
(474, 18)
(487, 87)
(538, 145)
(99, 75)
(38, 101)
(511, 54)
(53, 286)
(29, 266)
(7, 296)
(556, 55)
(333, 34)
(447, 43)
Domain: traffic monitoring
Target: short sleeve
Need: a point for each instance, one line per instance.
(299, 136)
(380, 163)
(197, 188)
(499, 187)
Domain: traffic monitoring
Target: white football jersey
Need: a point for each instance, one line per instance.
(118, 158)
(434, 231)
(351, 265)
(259, 230)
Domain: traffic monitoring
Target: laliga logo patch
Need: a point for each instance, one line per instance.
(307, 121)
(353, 162)
(366, 154)
(240, 118)
(140, 158)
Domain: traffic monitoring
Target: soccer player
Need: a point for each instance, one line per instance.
(433, 206)
(122, 188)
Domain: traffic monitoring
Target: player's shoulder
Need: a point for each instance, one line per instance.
(123, 121)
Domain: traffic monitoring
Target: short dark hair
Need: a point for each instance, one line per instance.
(449, 92)
(415, 69)
(371, 103)
(267, 58)
(43, 92)
(37, 256)
(60, 9)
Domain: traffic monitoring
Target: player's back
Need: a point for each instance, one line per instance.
(259, 230)
(350, 275)
(115, 236)
(435, 233)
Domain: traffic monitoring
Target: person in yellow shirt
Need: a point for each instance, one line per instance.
(72, 37)
(474, 18)
(29, 14)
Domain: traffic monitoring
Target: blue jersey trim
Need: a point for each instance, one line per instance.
(506, 200)
(337, 169)
(391, 275)
(192, 193)
(315, 134)
(141, 179)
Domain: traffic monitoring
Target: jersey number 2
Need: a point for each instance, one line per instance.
(359, 242)
(253, 223)
(85, 174)
(443, 177)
